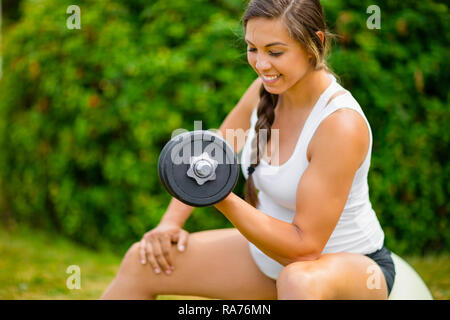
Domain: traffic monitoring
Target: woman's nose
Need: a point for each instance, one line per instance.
(262, 64)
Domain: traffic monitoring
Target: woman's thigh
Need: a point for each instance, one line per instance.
(215, 264)
(333, 276)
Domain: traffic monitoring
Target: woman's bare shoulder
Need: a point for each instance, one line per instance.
(345, 128)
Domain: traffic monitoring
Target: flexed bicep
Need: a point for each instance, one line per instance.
(339, 148)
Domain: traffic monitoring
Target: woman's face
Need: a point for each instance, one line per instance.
(277, 59)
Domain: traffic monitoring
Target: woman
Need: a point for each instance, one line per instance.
(310, 231)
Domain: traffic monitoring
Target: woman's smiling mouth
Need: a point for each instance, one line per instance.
(271, 78)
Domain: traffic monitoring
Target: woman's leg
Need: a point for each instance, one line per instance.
(333, 276)
(215, 264)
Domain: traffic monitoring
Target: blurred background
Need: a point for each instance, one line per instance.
(85, 112)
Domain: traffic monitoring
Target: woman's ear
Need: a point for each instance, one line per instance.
(321, 36)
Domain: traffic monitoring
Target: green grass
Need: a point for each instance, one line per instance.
(33, 266)
(435, 271)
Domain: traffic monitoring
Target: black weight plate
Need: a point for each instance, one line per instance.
(186, 189)
(163, 161)
(166, 159)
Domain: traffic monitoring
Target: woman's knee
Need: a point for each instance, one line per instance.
(300, 280)
(131, 281)
(131, 264)
(133, 251)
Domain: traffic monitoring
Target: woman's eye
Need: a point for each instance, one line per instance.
(274, 54)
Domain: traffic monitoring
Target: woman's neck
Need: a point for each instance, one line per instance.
(306, 91)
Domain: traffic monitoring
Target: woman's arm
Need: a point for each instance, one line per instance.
(177, 213)
(155, 244)
(337, 150)
(238, 118)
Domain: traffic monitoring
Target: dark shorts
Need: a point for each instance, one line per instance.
(384, 259)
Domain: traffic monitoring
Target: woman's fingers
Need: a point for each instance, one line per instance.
(156, 249)
(182, 240)
(151, 258)
(159, 255)
(166, 245)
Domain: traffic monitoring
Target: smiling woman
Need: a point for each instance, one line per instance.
(298, 98)
(307, 229)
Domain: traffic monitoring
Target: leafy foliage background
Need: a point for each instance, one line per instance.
(84, 113)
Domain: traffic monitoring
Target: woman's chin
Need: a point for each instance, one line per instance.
(272, 90)
(276, 88)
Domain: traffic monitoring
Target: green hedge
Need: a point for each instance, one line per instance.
(85, 113)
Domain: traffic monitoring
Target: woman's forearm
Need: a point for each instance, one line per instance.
(282, 241)
(177, 212)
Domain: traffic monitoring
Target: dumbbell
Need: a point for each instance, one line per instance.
(199, 168)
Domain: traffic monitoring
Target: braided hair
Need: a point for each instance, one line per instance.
(266, 116)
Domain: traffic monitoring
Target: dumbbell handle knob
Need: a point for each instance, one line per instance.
(202, 168)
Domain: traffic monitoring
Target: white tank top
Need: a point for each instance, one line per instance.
(358, 229)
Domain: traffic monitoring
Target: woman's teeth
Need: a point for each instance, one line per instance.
(270, 78)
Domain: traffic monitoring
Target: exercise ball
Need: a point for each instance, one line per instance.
(408, 285)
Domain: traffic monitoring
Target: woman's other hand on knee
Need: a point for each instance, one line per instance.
(155, 247)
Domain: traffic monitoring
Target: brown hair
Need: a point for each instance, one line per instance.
(302, 18)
